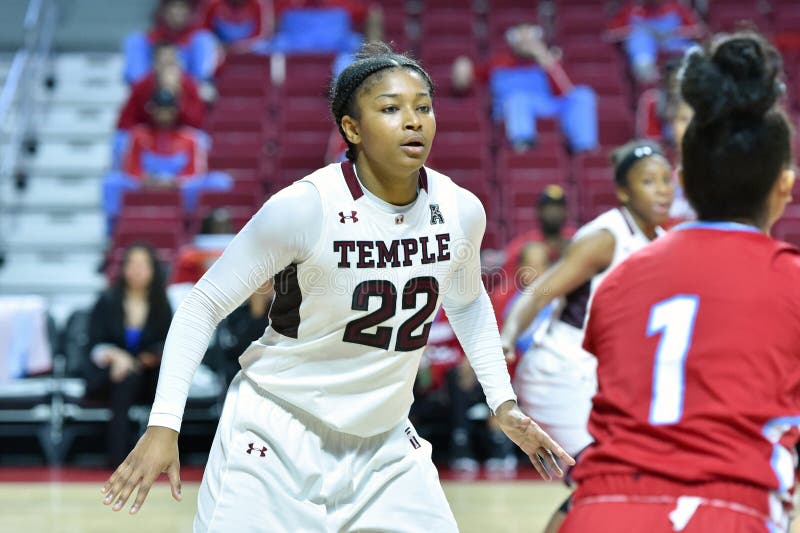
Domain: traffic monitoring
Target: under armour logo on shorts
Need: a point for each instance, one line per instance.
(413, 439)
(251, 448)
(343, 217)
(436, 214)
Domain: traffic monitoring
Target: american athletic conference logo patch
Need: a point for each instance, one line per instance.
(436, 214)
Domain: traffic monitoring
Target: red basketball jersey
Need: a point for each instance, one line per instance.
(697, 338)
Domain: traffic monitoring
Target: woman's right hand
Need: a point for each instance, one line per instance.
(121, 364)
(156, 452)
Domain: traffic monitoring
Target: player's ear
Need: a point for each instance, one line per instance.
(786, 182)
(623, 195)
(781, 195)
(680, 175)
(351, 129)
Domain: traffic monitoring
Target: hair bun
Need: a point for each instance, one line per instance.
(738, 77)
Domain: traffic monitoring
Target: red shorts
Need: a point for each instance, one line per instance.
(635, 517)
(633, 504)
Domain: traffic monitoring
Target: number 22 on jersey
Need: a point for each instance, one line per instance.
(674, 320)
(387, 293)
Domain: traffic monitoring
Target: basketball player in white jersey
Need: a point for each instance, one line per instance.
(314, 435)
(556, 378)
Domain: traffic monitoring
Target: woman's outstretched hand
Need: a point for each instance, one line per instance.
(542, 450)
(156, 452)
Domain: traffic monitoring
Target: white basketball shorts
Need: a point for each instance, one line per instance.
(275, 468)
(555, 382)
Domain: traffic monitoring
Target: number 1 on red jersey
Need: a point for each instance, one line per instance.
(674, 319)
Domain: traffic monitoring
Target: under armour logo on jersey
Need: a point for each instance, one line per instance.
(436, 214)
(343, 217)
(413, 438)
(399, 219)
(251, 448)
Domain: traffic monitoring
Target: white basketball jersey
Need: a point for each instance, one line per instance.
(566, 334)
(349, 324)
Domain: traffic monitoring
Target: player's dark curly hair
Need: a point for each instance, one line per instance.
(739, 140)
(374, 59)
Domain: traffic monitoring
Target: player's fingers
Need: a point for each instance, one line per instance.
(127, 489)
(546, 442)
(550, 462)
(174, 474)
(119, 472)
(144, 490)
(560, 452)
(539, 466)
(116, 482)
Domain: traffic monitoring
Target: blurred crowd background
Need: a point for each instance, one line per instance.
(137, 137)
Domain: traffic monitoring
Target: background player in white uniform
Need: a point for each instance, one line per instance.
(314, 434)
(556, 379)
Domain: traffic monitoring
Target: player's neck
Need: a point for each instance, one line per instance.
(396, 190)
(649, 230)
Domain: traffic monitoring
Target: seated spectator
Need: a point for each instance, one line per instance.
(127, 330)
(175, 23)
(652, 27)
(242, 327)
(527, 82)
(323, 26)
(194, 259)
(238, 24)
(168, 75)
(162, 155)
(552, 232)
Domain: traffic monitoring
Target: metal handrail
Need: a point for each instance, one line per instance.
(25, 72)
(38, 28)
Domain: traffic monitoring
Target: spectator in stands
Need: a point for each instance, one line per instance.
(552, 232)
(127, 330)
(239, 24)
(175, 22)
(216, 231)
(162, 155)
(324, 26)
(652, 27)
(533, 260)
(168, 75)
(234, 334)
(527, 82)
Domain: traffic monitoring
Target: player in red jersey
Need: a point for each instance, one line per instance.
(697, 336)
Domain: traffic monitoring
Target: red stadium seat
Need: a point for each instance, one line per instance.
(307, 75)
(153, 203)
(451, 23)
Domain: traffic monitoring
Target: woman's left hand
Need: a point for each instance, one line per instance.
(542, 450)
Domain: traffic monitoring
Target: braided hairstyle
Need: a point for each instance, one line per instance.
(739, 140)
(372, 62)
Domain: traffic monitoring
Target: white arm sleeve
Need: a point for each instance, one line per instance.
(283, 231)
(470, 311)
